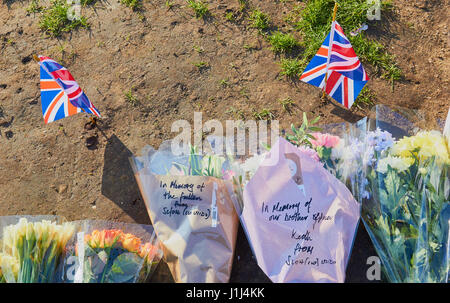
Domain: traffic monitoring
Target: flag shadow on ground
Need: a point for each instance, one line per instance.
(118, 181)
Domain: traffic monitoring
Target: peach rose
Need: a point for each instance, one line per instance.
(130, 242)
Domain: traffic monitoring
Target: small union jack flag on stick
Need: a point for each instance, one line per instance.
(61, 96)
(336, 68)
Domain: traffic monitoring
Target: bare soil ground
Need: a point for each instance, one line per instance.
(47, 169)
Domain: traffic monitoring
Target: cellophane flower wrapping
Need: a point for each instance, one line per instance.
(112, 252)
(406, 211)
(340, 148)
(191, 208)
(33, 248)
(300, 220)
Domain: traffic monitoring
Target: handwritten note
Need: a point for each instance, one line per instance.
(299, 235)
(181, 198)
(298, 211)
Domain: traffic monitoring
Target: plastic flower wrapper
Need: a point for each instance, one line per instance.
(190, 205)
(9, 268)
(339, 147)
(33, 248)
(112, 252)
(299, 219)
(407, 214)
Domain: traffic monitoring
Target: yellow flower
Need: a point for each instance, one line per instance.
(428, 144)
(130, 242)
(8, 266)
(397, 163)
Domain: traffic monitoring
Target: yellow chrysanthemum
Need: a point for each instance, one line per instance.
(398, 163)
(428, 144)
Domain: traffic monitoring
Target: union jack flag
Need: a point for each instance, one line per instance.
(61, 96)
(346, 76)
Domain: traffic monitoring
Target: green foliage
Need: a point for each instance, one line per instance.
(291, 68)
(314, 23)
(286, 104)
(133, 4)
(259, 20)
(34, 7)
(169, 4)
(87, 2)
(130, 98)
(200, 8)
(201, 64)
(282, 43)
(230, 16)
(224, 83)
(54, 19)
(365, 98)
(198, 49)
(302, 135)
(237, 113)
(265, 114)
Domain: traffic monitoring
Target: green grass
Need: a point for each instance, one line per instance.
(282, 43)
(365, 98)
(34, 7)
(54, 20)
(130, 98)
(133, 4)
(230, 16)
(200, 8)
(169, 4)
(265, 114)
(224, 82)
(87, 2)
(291, 68)
(243, 5)
(201, 64)
(314, 23)
(286, 104)
(259, 20)
(238, 114)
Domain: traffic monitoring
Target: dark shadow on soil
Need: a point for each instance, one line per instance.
(357, 266)
(345, 114)
(245, 269)
(118, 181)
(161, 275)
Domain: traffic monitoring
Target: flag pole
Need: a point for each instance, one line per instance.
(326, 72)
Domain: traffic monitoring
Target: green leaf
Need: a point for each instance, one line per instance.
(125, 269)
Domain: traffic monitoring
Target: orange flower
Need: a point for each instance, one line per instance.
(104, 238)
(130, 242)
(96, 239)
(148, 251)
(112, 236)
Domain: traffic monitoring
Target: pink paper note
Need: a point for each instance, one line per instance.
(300, 220)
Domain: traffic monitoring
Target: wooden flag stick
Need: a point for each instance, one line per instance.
(93, 120)
(329, 50)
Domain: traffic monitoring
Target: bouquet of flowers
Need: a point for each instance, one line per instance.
(407, 211)
(9, 267)
(191, 208)
(33, 249)
(299, 219)
(116, 253)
